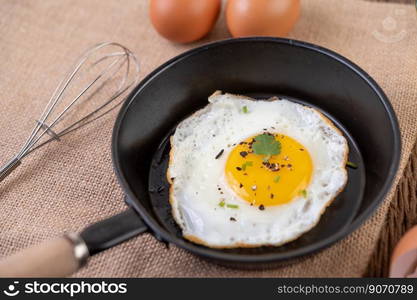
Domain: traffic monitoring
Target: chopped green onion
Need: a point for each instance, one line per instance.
(245, 109)
(276, 179)
(232, 206)
(247, 164)
(221, 204)
(303, 193)
(352, 165)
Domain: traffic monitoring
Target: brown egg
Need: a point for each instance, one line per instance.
(400, 262)
(261, 17)
(184, 21)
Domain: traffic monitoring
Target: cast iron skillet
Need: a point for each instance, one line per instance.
(259, 67)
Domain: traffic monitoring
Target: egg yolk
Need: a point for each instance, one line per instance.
(267, 181)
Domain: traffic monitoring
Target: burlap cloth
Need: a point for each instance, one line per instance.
(69, 184)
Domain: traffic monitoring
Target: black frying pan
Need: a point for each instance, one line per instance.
(258, 67)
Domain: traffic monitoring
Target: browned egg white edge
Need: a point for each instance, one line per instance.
(199, 241)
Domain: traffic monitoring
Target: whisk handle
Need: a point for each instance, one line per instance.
(9, 167)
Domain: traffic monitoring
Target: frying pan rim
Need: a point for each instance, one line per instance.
(160, 232)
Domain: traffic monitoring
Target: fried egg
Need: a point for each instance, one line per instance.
(247, 173)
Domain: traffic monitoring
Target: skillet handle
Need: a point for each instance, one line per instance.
(55, 258)
(65, 255)
(113, 231)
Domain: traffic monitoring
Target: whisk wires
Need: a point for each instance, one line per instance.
(121, 63)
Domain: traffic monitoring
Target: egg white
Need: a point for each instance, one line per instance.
(196, 176)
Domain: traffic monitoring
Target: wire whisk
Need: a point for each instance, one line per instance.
(109, 65)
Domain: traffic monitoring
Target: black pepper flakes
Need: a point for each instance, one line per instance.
(272, 196)
(243, 154)
(239, 168)
(261, 207)
(240, 185)
(219, 154)
(274, 167)
(232, 219)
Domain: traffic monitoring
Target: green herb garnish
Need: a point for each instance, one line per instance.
(303, 193)
(265, 144)
(245, 109)
(222, 203)
(247, 164)
(232, 206)
(351, 165)
(276, 179)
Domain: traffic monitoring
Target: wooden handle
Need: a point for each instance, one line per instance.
(54, 258)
